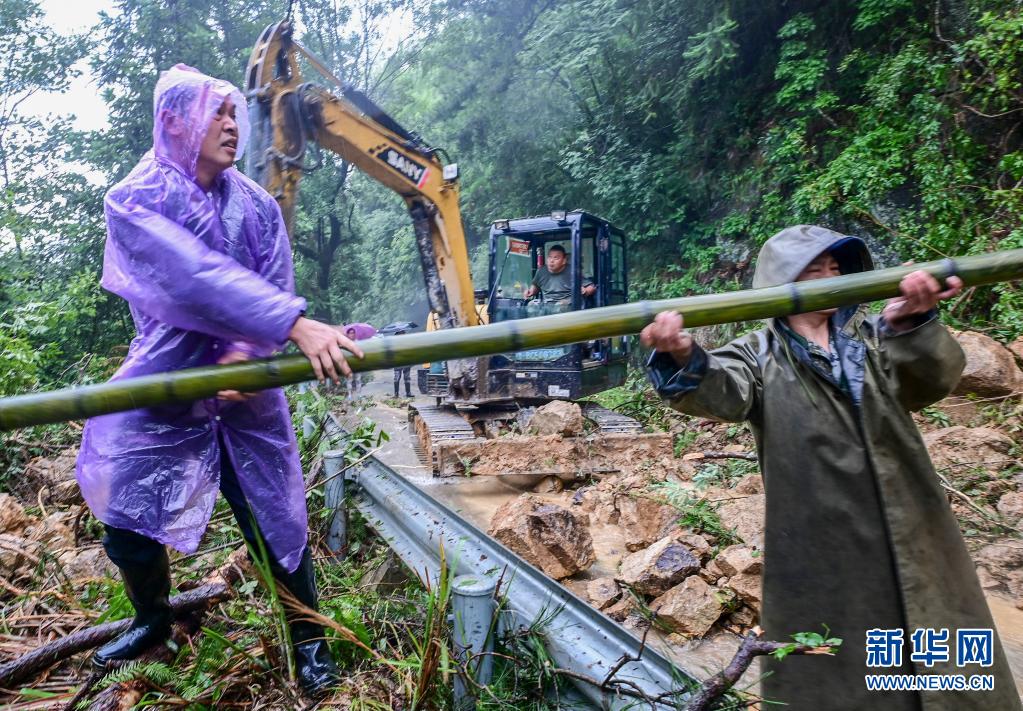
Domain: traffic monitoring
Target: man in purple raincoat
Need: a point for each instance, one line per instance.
(201, 254)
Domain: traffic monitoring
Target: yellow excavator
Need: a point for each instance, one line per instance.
(473, 396)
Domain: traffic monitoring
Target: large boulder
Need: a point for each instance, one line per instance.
(644, 520)
(957, 447)
(991, 369)
(12, 514)
(557, 418)
(551, 537)
(1016, 348)
(654, 570)
(690, 608)
(746, 516)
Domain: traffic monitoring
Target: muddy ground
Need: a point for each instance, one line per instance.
(975, 445)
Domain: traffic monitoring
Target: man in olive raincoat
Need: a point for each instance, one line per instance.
(859, 535)
(201, 254)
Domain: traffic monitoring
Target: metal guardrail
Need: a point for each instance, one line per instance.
(579, 638)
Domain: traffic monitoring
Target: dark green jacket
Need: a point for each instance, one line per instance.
(859, 534)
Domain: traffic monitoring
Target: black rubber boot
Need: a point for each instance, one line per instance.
(395, 390)
(148, 588)
(316, 669)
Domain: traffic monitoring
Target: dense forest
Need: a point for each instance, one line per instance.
(698, 127)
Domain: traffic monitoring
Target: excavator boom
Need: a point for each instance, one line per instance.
(287, 113)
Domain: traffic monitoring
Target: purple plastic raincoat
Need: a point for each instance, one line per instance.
(204, 273)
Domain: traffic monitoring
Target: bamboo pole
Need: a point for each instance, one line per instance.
(539, 332)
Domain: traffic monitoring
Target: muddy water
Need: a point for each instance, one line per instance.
(1009, 622)
(476, 499)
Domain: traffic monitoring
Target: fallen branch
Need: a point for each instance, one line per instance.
(126, 694)
(947, 486)
(748, 456)
(752, 646)
(201, 598)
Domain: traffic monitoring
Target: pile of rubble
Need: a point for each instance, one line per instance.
(45, 541)
(692, 580)
(671, 570)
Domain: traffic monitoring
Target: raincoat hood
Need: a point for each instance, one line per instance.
(787, 254)
(184, 104)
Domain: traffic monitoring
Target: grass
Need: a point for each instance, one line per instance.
(697, 514)
(725, 474)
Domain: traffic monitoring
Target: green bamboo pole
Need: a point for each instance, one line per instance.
(539, 332)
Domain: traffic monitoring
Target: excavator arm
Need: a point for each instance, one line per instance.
(287, 113)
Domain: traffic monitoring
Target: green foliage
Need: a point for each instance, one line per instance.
(809, 639)
(724, 474)
(697, 514)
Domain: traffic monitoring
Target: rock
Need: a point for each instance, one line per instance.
(744, 617)
(603, 592)
(1016, 348)
(712, 572)
(12, 514)
(621, 609)
(549, 485)
(696, 543)
(557, 417)
(737, 559)
(644, 520)
(959, 411)
(1015, 584)
(991, 369)
(17, 555)
(1000, 556)
(66, 493)
(1010, 506)
(51, 472)
(987, 581)
(750, 484)
(654, 570)
(956, 447)
(551, 537)
(746, 516)
(89, 562)
(690, 608)
(53, 533)
(585, 497)
(748, 587)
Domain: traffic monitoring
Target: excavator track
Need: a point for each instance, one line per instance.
(433, 425)
(609, 421)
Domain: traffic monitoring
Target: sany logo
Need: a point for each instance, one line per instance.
(409, 168)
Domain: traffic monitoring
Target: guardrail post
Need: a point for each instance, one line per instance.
(472, 602)
(308, 428)
(334, 501)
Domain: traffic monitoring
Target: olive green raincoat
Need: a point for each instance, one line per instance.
(859, 533)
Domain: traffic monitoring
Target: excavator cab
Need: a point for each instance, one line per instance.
(596, 255)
